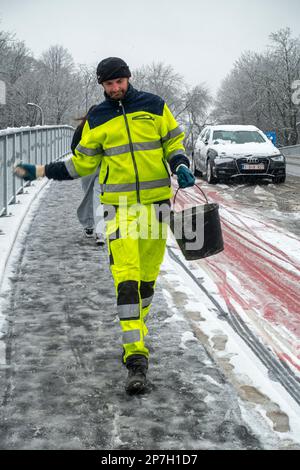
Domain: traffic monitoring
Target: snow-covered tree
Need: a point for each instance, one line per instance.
(189, 105)
(259, 89)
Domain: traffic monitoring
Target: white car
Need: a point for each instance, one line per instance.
(228, 152)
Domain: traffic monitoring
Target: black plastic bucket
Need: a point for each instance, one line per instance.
(198, 230)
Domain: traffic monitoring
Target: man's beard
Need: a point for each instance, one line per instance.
(117, 96)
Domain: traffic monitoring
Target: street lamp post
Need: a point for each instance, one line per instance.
(42, 112)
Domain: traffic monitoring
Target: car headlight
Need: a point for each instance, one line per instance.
(223, 159)
(278, 158)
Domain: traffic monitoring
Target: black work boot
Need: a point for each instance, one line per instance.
(137, 366)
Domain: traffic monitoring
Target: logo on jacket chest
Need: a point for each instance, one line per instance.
(143, 117)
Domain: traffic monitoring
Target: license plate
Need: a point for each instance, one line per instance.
(246, 166)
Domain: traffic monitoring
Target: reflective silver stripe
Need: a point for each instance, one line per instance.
(131, 336)
(155, 183)
(155, 144)
(89, 152)
(121, 188)
(117, 188)
(129, 311)
(116, 150)
(171, 134)
(71, 168)
(147, 301)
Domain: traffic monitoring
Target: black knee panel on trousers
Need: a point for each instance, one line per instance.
(128, 293)
(147, 289)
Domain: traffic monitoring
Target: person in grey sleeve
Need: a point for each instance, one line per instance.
(90, 210)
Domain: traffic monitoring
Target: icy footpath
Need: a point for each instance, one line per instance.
(10, 226)
(61, 377)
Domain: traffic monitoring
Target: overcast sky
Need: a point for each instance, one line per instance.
(200, 39)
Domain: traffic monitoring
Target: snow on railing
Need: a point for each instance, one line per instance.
(37, 145)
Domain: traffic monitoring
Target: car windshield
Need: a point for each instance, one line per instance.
(237, 137)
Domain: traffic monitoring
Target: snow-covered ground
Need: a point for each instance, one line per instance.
(265, 404)
(10, 226)
(256, 279)
(259, 271)
(241, 366)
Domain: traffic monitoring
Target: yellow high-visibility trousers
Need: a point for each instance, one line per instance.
(136, 240)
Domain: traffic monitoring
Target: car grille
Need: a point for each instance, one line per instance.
(252, 161)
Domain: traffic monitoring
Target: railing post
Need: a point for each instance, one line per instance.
(57, 140)
(41, 147)
(29, 147)
(35, 147)
(14, 200)
(55, 143)
(21, 155)
(50, 144)
(40, 140)
(47, 154)
(5, 198)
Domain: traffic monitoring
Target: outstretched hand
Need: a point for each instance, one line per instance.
(26, 171)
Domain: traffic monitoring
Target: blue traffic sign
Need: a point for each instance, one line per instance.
(272, 136)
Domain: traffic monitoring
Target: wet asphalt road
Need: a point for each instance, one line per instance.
(63, 384)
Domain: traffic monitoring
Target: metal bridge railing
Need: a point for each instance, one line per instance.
(292, 156)
(36, 145)
(292, 151)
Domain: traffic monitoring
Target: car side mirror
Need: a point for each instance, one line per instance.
(193, 153)
(206, 142)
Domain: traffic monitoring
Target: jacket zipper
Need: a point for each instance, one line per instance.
(106, 177)
(132, 154)
(164, 163)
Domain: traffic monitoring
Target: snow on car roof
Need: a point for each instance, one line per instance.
(231, 127)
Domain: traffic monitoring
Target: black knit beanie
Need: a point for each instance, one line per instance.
(111, 68)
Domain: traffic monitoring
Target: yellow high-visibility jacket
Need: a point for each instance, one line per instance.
(132, 139)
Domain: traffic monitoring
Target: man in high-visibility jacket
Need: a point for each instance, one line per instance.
(134, 135)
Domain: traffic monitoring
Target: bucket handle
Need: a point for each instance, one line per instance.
(203, 193)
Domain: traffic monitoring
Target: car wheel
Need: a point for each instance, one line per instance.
(197, 172)
(194, 169)
(280, 179)
(211, 179)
